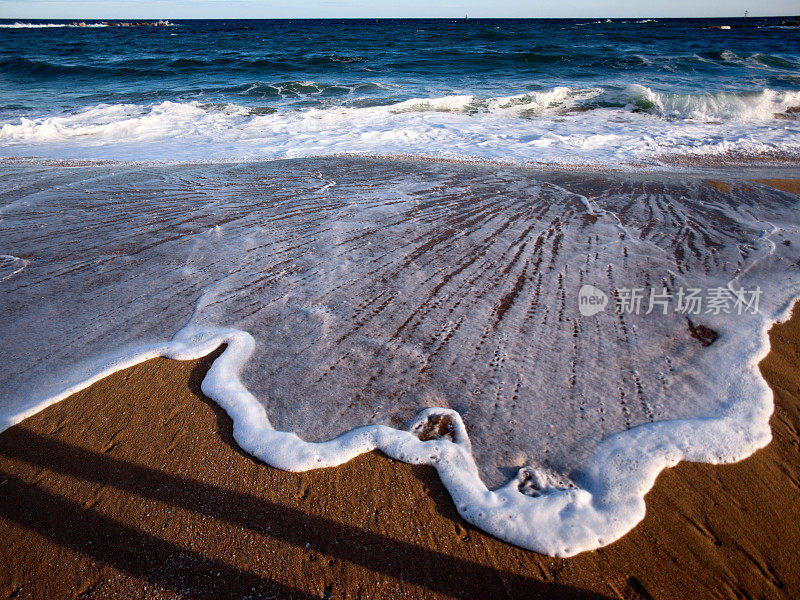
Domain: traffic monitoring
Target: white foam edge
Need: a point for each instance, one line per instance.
(607, 502)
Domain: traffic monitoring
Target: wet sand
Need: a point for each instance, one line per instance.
(787, 185)
(134, 487)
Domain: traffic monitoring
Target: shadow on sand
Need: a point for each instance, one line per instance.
(164, 564)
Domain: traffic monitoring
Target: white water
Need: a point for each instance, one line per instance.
(23, 25)
(558, 126)
(78, 23)
(354, 295)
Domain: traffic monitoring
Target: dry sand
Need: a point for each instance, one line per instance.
(134, 488)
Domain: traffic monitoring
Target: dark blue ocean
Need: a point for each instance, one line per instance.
(515, 90)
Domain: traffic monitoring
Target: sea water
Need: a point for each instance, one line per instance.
(566, 91)
(430, 310)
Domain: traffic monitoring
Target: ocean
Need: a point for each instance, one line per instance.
(548, 91)
(539, 256)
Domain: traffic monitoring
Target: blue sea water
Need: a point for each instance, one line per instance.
(516, 90)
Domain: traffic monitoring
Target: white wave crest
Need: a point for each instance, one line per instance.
(444, 104)
(20, 25)
(538, 103)
(23, 25)
(561, 125)
(726, 106)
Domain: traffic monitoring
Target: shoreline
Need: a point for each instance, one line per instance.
(672, 165)
(598, 504)
(600, 516)
(134, 497)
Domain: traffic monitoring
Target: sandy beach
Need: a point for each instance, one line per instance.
(134, 487)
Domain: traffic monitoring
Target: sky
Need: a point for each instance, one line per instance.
(244, 9)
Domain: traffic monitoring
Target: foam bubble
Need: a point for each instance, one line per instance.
(560, 126)
(426, 310)
(22, 25)
(11, 265)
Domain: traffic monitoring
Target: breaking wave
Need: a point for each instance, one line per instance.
(79, 24)
(558, 125)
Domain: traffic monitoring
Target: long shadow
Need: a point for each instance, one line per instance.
(133, 551)
(57, 518)
(147, 557)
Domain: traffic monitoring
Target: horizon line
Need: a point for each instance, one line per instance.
(392, 18)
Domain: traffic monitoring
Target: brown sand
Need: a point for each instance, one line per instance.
(720, 186)
(786, 185)
(134, 488)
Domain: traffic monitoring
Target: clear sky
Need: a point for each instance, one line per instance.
(197, 9)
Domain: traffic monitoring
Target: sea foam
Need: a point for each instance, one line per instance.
(426, 310)
(562, 125)
(23, 25)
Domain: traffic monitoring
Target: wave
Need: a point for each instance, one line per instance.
(444, 104)
(335, 58)
(334, 285)
(46, 69)
(158, 67)
(72, 62)
(150, 68)
(300, 89)
(83, 25)
(20, 25)
(747, 106)
(773, 61)
(557, 125)
(557, 100)
(601, 22)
